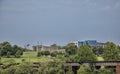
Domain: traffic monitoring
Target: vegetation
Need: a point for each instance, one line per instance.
(111, 52)
(71, 49)
(7, 50)
(85, 54)
(14, 60)
(88, 70)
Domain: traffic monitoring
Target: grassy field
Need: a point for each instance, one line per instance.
(27, 56)
(32, 57)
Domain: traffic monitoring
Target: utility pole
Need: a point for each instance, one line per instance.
(38, 46)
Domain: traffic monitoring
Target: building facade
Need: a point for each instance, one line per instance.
(39, 48)
(92, 43)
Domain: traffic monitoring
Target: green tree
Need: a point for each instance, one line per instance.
(24, 68)
(8, 54)
(46, 53)
(87, 69)
(70, 72)
(84, 70)
(40, 70)
(5, 47)
(98, 50)
(111, 52)
(60, 71)
(10, 70)
(53, 54)
(85, 54)
(0, 59)
(18, 53)
(105, 71)
(71, 48)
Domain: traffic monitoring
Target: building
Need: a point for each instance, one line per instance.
(40, 48)
(92, 43)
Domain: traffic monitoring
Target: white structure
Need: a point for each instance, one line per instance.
(75, 42)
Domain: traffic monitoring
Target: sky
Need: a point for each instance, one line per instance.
(59, 21)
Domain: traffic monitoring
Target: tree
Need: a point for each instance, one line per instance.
(105, 71)
(70, 72)
(98, 50)
(53, 54)
(5, 47)
(8, 54)
(85, 70)
(18, 53)
(61, 71)
(71, 48)
(111, 52)
(24, 68)
(40, 70)
(46, 53)
(10, 70)
(85, 54)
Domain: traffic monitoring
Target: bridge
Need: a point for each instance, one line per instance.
(96, 63)
(75, 65)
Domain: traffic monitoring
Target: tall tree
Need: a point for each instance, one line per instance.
(71, 48)
(85, 54)
(85, 70)
(111, 52)
(5, 47)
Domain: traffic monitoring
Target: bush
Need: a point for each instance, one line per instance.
(46, 53)
(53, 54)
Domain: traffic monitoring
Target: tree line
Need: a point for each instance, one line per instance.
(110, 52)
(7, 50)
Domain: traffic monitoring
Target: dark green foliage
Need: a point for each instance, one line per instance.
(88, 70)
(111, 52)
(71, 48)
(24, 68)
(106, 71)
(10, 70)
(98, 50)
(46, 53)
(18, 53)
(56, 66)
(5, 47)
(85, 70)
(7, 50)
(69, 72)
(53, 54)
(85, 54)
(52, 68)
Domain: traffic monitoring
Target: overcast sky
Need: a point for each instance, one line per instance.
(59, 21)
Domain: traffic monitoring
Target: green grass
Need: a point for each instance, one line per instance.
(27, 56)
(99, 58)
(32, 57)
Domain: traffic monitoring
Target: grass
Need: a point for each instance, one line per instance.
(32, 57)
(27, 56)
(99, 58)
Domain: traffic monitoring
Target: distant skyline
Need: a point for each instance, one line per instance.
(59, 21)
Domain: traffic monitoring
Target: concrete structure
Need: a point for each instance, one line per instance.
(92, 43)
(74, 66)
(97, 64)
(40, 48)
